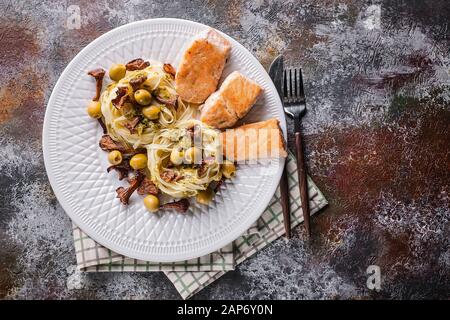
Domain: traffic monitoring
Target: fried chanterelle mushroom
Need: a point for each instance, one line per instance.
(124, 194)
(169, 69)
(108, 144)
(170, 175)
(180, 205)
(122, 169)
(137, 81)
(137, 64)
(103, 125)
(131, 125)
(98, 74)
(121, 97)
(147, 187)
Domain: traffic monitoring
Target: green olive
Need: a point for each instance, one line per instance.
(143, 97)
(151, 112)
(176, 156)
(205, 196)
(193, 155)
(151, 202)
(228, 169)
(115, 157)
(138, 161)
(117, 71)
(94, 109)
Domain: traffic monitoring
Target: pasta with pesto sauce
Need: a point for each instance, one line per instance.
(141, 110)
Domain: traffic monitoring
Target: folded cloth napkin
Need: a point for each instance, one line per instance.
(191, 276)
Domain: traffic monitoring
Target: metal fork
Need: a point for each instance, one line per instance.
(295, 107)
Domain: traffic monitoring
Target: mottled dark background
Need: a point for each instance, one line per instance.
(377, 135)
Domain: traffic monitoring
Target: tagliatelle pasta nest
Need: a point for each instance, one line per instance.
(181, 181)
(116, 120)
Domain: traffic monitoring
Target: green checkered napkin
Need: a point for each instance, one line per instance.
(191, 276)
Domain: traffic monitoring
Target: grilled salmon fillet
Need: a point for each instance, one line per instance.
(231, 102)
(260, 140)
(201, 66)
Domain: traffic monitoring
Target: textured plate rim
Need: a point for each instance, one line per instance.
(113, 245)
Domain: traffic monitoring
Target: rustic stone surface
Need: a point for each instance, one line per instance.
(377, 136)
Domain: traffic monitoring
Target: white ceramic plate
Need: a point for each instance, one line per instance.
(76, 166)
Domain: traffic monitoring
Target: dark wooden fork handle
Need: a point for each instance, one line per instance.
(284, 191)
(301, 170)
